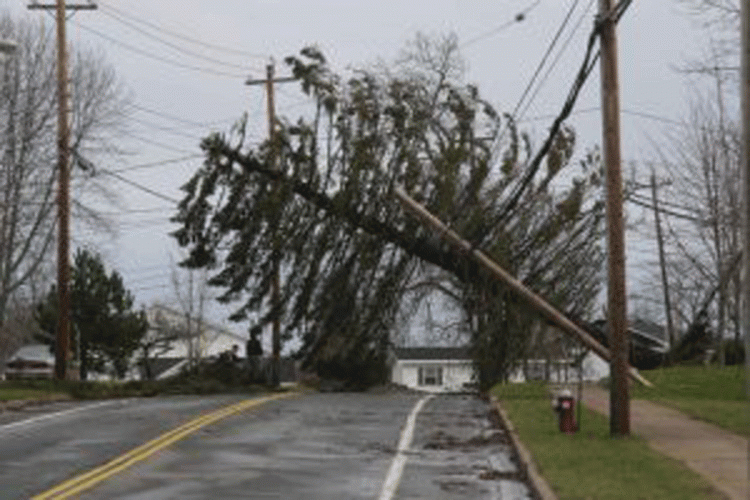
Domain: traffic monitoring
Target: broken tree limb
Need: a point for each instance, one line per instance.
(542, 306)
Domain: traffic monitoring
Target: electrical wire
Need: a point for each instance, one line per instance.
(138, 186)
(133, 211)
(546, 55)
(676, 206)
(666, 211)
(552, 65)
(547, 117)
(156, 163)
(172, 45)
(148, 288)
(625, 111)
(169, 130)
(516, 19)
(178, 119)
(587, 65)
(150, 55)
(184, 37)
(155, 143)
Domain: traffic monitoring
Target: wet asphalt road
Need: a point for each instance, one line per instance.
(314, 446)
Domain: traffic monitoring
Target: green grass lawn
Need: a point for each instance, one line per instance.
(30, 390)
(710, 393)
(590, 464)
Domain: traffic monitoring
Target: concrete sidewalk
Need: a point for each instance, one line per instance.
(718, 455)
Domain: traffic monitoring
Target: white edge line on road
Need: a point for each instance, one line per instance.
(47, 416)
(393, 478)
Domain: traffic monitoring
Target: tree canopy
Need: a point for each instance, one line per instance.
(318, 199)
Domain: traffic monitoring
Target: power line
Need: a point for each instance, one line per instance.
(169, 130)
(185, 37)
(625, 111)
(675, 206)
(652, 116)
(147, 288)
(547, 117)
(516, 19)
(666, 211)
(156, 163)
(172, 45)
(557, 58)
(127, 211)
(155, 142)
(587, 65)
(177, 119)
(546, 55)
(139, 186)
(150, 55)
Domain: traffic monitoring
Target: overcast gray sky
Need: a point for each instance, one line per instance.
(185, 63)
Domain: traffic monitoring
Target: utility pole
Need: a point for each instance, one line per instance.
(269, 83)
(662, 262)
(62, 342)
(745, 174)
(619, 399)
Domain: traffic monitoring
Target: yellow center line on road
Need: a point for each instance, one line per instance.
(85, 481)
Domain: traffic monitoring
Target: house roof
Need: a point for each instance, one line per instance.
(432, 353)
(649, 329)
(36, 352)
(160, 366)
(643, 332)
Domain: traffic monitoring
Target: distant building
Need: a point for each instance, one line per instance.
(185, 339)
(433, 369)
(649, 342)
(562, 369)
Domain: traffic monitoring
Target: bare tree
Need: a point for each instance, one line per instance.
(701, 209)
(28, 104)
(190, 287)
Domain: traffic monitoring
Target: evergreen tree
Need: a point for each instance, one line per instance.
(105, 327)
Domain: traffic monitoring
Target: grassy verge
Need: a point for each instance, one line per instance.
(10, 391)
(183, 384)
(590, 464)
(708, 393)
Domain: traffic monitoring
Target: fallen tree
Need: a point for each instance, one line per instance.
(319, 201)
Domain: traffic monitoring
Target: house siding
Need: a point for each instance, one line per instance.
(455, 374)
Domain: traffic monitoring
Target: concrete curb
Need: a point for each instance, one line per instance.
(540, 485)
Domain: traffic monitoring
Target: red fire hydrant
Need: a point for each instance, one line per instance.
(565, 408)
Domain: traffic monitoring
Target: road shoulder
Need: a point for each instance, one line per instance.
(540, 485)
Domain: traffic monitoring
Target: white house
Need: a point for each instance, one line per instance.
(196, 340)
(561, 370)
(433, 369)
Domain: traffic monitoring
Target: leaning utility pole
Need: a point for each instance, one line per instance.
(662, 262)
(275, 282)
(619, 399)
(62, 342)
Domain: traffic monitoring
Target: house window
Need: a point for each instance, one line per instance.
(431, 375)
